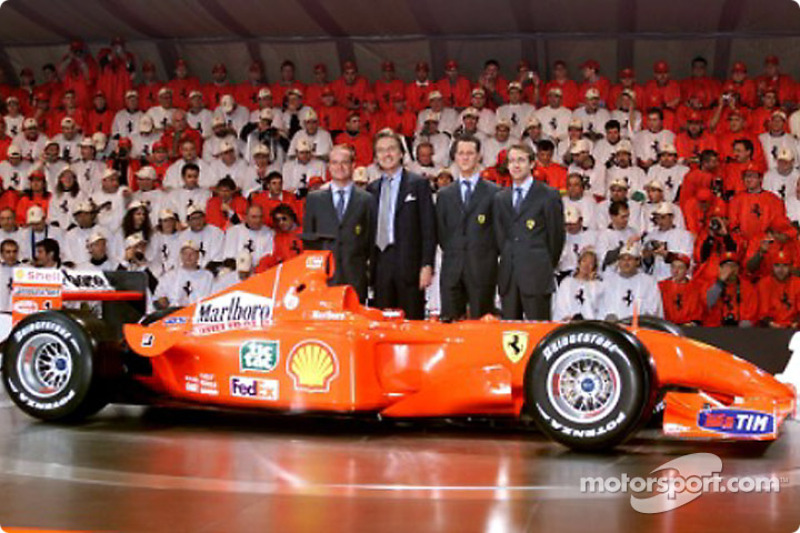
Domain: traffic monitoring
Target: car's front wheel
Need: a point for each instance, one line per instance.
(588, 386)
(51, 368)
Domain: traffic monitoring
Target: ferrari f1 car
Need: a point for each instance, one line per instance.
(286, 341)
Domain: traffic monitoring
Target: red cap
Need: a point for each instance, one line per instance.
(694, 116)
(559, 63)
(148, 66)
(719, 211)
(320, 67)
(729, 256)
(158, 145)
(590, 63)
(422, 65)
(398, 97)
(369, 97)
(752, 167)
(502, 155)
(218, 67)
(76, 45)
(117, 41)
(451, 64)
(683, 258)
(181, 63)
(26, 71)
(124, 142)
(654, 100)
(698, 94)
(782, 258)
(38, 173)
(42, 95)
(739, 67)
(523, 64)
(256, 66)
(349, 65)
(315, 181)
(771, 60)
(661, 67)
(387, 66)
(626, 73)
(327, 91)
(729, 87)
(735, 113)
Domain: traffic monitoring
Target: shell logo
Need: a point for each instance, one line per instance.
(312, 365)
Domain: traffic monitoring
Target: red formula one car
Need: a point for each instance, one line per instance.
(285, 341)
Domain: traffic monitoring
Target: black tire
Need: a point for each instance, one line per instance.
(614, 372)
(63, 351)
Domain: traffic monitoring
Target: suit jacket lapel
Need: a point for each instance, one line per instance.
(480, 187)
(351, 208)
(527, 200)
(401, 194)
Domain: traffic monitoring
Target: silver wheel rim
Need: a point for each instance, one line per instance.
(44, 366)
(583, 385)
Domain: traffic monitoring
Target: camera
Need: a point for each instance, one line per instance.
(655, 245)
(715, 225)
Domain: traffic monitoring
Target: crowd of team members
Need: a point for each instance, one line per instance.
(679, 197)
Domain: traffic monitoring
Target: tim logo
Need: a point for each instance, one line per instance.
(736, 422)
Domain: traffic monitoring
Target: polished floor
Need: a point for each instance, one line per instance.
(155, 469)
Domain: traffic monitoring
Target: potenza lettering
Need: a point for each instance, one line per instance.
(234, 310)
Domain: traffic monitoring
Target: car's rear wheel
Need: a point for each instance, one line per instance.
(588, 386)
(51, 368)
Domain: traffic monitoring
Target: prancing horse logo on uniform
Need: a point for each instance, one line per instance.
(515, 343)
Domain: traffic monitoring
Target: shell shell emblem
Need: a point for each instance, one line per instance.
(313, 366)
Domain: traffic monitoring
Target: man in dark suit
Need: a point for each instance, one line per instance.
(468, 276)
(344, 212)
(404, 229)
(529, 224)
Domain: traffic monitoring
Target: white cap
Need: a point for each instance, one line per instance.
(134, 239)
(261, 149)
(136, 204)
(191, 244)
(664, 208)
(571, 214)
(218, 120)
(532, 122)
(503, 123)
(309, 114)
(264, 93)
(13, 150)
(470, 112)
(66, 168)
(227, 103)
(581, 145)
(29, 123)
(576, 123)
(86, 142)
(146, 124)
(110, 172)
(83, 207)
(94, 237)
(166, 213)
(195, 93)
(633, 249)
(35, 214)
(654, 183)
(592, 93)
(131, 94)
(225, 146)
(360, 175)
(430, 115)
(303, 146)
(624, 146)
(434, 94)
(668, 148)
(266, 114)
(67, 122)
(619, 182)
(244, 262)
(164, 91)
(147, 172)
(193, 209)
(784, 154)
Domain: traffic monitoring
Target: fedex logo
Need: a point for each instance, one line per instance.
(736, 421)
(255, 388)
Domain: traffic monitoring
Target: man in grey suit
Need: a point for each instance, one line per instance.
(529, 225)
(343, 212)
(464, 219)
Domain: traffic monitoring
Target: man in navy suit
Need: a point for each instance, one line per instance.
(404, 230)
(529, 225)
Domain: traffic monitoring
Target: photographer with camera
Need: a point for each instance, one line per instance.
(731, 300)
(763, 249)
(713, 241)
(664, 243)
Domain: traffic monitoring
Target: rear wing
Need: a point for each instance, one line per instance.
(122, 294)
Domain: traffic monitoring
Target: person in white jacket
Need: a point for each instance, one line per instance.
(578, 297)
(627, 288)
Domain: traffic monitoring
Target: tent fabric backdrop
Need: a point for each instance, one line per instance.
(618, 33)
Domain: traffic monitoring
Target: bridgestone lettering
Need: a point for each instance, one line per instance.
(580, 338)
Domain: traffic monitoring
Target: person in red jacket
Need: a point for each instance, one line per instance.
(219, 87)
(763, 250)
(400, 119)
(117, 66)
(182, 84)
(731, 300)
(36, 195)
(593, 80)
(742, 157)
(332, 117)
(372, 119)
(351, 88)
(150, 86)
(735, 131)
(760, 117)
(627, 82)
(694, 140)
(680, 295)
(247, 91)
(772, 77)
(287, 82)
(100, 117)
(707, 176)
(417, 91)
(321, 83)
(227, 207)
(753, 211)
(272, 195)
(545, 169)
(779, 295)
(456, 89)
(360, 142)
(78, 71)
(561, 80)
(662, 88)
(700, 83)
(742, 85)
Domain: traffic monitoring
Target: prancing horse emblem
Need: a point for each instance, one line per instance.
(515, 344)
